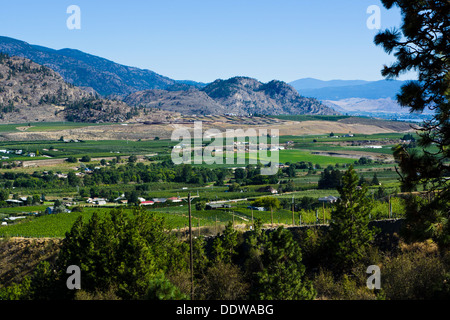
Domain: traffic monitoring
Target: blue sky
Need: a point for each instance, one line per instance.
(204, 40)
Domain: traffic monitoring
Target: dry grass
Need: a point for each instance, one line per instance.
(19, 256)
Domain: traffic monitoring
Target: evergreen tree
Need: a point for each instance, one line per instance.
(330, 178)
(349, 234)
(282, 277)
(421, 44)
(375, 181)
(224, 247)
(119, 251)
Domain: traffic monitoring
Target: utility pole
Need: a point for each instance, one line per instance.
(389, 206)
(293, 218)
(271, 215)
(323, 212)
(191, 253)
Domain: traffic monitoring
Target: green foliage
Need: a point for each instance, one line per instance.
(20, 291)
(72, 160)
(267, 202)
(411, 45)
(282, 277)
(344, 288)
(85, 158)
(118, 250)
(224, 246)
(161, 288)
(330, 178)
(223, 281)
(349, 235)
(132, 159)
(418, 272)
(200, 205)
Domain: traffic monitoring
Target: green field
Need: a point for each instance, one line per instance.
(110, 148)
(176, 216)
(46, 126)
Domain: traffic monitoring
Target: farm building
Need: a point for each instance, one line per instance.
(98, 201)
(212, 206)
(13, 201)
(268, 189)
(257, 208)
(328, 199)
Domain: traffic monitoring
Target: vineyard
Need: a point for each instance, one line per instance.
(176, 218)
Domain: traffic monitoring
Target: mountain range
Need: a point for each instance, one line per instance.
(145, 88)
(347, 89)
(107, 80)
(357, 97)
(103, 76)
(30, 92)
(238, 95)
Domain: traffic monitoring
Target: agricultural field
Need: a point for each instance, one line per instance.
(44, 126)
(176, 218)
(313, 152)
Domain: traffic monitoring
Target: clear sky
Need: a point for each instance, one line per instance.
(204, 40)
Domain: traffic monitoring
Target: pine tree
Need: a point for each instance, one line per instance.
(375, 181)
(422, 45)
(349, 234)
(283, 274)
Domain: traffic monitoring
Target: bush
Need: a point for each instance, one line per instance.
(223, 281)
(72, 160)
(77, 209)
(417, 273)
(345, 288)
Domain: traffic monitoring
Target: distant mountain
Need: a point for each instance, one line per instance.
(85, 70)
(138, 87)
(238, 95)
(382, 89)
(311, 83)
(384, 105)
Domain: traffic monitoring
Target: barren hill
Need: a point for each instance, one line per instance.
(238, 95)
(30, 92)
(187, 102)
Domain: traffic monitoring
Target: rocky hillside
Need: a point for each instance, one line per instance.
(103, 76)
(30, 92)
(239, 95)
(187, 102)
